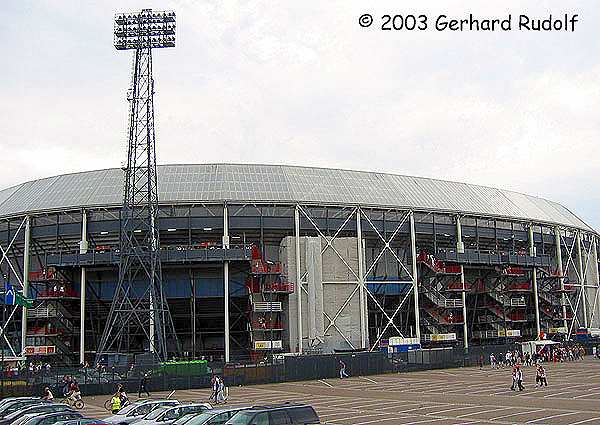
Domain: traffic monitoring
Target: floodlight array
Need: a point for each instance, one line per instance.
(146, 29)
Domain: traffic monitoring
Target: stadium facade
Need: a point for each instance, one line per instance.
(311, 260)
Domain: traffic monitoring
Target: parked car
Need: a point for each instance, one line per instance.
(47, 419)
(12, 404)
(136, 411)
(83, 421)
(210, 417)
(39, 408)
(168, 415)
(284, 414)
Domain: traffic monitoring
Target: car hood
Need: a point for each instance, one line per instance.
(118, 419)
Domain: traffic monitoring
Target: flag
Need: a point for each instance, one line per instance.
(9, 294)
(12, 297)
(22, 301)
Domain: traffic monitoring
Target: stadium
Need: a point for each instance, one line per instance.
(267, 259)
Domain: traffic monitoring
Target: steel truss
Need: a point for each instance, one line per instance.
(361, 275)
(139, 306)
(577, 264)
(17, 274)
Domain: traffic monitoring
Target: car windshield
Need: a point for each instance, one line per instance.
(23, 419)
(155, 413)
(128, 409)
(198, 419)
(13, 405)
(241, 418)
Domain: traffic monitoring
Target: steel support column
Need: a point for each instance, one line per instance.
(560, 272)
(25, 282)
(298, 276)
(364, 337)
(226, 280)
(536, 300)
(413, 247)
(460, 247)
(193, 311)
(83, 247)
(582, 279)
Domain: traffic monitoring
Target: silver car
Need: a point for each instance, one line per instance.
(168, 415)
(136, 411)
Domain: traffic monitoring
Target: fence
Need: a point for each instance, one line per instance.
(284, 369)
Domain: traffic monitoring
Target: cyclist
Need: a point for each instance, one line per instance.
(47, 394)
(74, 393)
(115, 403)
(122, 395)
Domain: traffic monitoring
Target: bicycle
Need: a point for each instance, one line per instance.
(78, 404)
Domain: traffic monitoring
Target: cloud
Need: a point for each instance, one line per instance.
(301, 83)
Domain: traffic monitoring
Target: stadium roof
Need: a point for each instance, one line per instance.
(280, 183)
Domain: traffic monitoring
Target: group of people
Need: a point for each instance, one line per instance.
(510, 358)
(219, 393)
(517, 377)
(556, 355)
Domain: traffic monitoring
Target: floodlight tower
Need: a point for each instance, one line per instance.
(139, 318)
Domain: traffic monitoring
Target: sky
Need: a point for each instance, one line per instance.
(302, 83)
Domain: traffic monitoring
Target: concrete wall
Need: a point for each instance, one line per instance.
(328, 285)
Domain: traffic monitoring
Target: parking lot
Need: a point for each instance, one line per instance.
(451, 396)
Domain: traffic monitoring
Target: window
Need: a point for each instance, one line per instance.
(219, 419)
(280, 417)
(261, 419)
(142, 410)
(303, 415)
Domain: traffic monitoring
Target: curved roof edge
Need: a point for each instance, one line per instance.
(184, 183)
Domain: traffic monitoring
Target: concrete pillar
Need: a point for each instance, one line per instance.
(83, 247)
(536, 300)
(298, 276)
(364, 336)
(560, 272)
(25, 282)
(413, 248)
(460, 247)
(226, 279)
(582, 280)
(594, 304)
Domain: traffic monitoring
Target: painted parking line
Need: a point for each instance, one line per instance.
(370, 415)
(428, 420)
(495, 418)
(394, 418)
(495, 409)
(545, 418)
(437, 412)
(596, 419)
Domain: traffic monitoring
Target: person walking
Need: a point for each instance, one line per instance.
(214, 384)
(519, 377)
(514, 378)
(343, 373)
(115, 403)
(540, 377)
(143, 386)
(221, 390)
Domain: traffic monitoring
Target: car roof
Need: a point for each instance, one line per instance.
(27, 408)
(230, 409)
(49, 415)
(279, 406)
